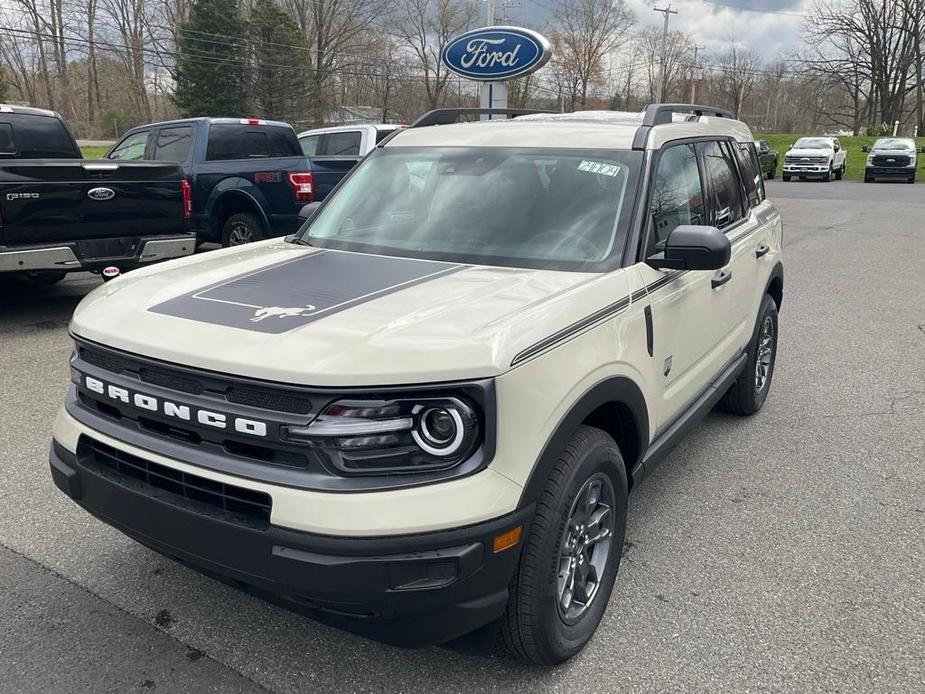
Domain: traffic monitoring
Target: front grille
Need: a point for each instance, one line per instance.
(889, 160)
(805, 160)
(224, 502)
(267, 397)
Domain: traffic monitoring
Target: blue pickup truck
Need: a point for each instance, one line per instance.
(246, 178)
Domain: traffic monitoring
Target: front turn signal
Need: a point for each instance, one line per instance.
(507, 539)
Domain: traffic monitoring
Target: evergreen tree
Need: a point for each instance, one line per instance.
(279, 76)
(211, 57)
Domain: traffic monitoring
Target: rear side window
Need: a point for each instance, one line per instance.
(6, 139)
(310, 145)
(346, 144)
(131, 148)
(724, 187)
(382, 133)
(751, 172)
(174, 144)
(29, 136)
(233, 141)
(677, 195)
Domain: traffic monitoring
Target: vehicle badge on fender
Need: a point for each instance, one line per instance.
(101, 194)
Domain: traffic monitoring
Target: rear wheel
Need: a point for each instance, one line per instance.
(771, 173)
(572, 553)
(840, 172)
(241, 228)
(747, 395)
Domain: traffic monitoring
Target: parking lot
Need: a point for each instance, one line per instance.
(780, 553)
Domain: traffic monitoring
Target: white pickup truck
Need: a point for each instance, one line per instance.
(815, 156)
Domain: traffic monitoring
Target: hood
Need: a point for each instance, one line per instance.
(894, 152)
(296, 314)
(810, 152)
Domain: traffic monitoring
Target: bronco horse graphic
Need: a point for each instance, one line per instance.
(281, 312)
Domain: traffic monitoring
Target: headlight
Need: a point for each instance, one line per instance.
(870, 159)
(356, 437)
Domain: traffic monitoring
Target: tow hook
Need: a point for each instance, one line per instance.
(110, 273)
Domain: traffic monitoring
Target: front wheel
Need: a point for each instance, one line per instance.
(747, 395)
(785, 178)
(840, 172)
(572, 553)
(827, 176)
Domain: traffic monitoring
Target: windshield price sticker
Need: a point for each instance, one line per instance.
(599, 167)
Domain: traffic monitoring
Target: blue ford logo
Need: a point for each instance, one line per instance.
(101, 193)
(496, 53)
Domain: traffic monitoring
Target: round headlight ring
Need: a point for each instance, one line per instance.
(424, 436)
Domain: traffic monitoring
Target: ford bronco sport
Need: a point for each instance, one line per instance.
(423, 413)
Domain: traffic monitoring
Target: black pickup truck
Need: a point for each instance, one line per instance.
(60, 213)
(248, 177)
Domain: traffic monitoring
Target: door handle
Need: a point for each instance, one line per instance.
(762, 250)
(720, 278)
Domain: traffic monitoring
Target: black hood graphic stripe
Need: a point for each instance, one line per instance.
(293, 293)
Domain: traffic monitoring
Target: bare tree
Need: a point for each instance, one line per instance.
(425, 27)
(739, 69)
(587, 32)
(678, 58)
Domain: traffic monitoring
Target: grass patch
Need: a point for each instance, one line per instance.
(93, 152)
(856, 158)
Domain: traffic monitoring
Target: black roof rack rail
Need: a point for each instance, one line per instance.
(445, 116)
(659, 114)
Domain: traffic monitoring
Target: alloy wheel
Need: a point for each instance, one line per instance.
(240, 234)
(765, 353)
(585, 547)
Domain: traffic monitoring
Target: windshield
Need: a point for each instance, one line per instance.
(813, 143)
(893, 143)
(557, 209)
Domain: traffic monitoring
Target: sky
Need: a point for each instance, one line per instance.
(769, 27)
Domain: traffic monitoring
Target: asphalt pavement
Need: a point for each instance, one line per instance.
(784, 553)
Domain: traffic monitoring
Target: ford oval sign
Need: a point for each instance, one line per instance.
(101, 193)
(496, 53)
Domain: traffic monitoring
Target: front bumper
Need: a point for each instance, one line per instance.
(95, 254)
(409, 590)
(889, 171)
(806, 169)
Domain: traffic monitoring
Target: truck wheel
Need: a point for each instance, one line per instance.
(785, 178)
(911, 179)
(44, 279)
(570, 558)
(241, 228)
(771, 173)
(827, 176)
(747, 395)
(840, 172)
(868, 179)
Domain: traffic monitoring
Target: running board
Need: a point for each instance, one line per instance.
(667, 440)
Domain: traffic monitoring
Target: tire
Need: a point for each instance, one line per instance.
(840, 172)
(44, 279)
(536, 627)
(241, 228)
(771, 174)
(827, 176)
(868, 179)
(746, 396)
(911, 179)
(785, 178)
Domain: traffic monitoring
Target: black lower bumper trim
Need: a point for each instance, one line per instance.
(412, 591)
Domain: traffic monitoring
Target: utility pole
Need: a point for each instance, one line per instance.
(667, 11)
(694, 74)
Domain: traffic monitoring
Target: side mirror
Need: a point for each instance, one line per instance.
(923, 149)
(790, 146)
(865, 148)
(308, 211)
(691, 247)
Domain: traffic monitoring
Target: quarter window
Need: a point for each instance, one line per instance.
(346, 144)
(677, 195)
(725, 191)
(751, 172)
(131, 148)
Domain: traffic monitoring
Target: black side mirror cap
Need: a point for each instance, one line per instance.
(308, 211)
(865, 148)
(692, 247)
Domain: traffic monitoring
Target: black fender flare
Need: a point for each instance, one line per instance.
(615, 389)
(777, 273)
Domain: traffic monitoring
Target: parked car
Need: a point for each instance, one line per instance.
(336, 150)
(768, 158)
(424, 413)
(248, 177)
(891, 157)
(815, 157)
(60, 213)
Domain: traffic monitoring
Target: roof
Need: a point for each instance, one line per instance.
(579, 130)
(205, 119)
(27, 110)
(348, 128)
